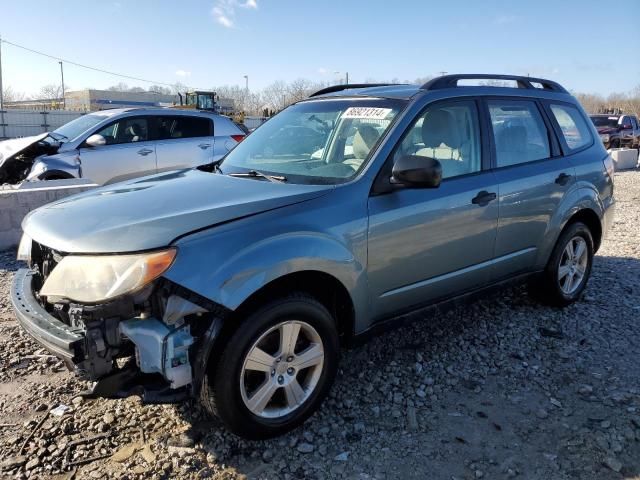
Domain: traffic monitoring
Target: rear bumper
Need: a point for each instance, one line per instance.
(60, 339)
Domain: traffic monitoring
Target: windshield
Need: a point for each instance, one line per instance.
(316, 142)
(72, 130)
(605, 121)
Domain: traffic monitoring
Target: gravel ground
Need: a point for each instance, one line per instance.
(503, 388)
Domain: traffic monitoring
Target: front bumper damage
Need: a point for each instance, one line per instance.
(154, 348)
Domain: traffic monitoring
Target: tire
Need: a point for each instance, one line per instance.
(552, 289)
(615, 143)
(230, 389)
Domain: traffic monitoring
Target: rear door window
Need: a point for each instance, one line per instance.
(175, 127)
(519, 132)
(573, 126)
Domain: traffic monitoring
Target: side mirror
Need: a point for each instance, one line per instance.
(95, 141)
(417, 171)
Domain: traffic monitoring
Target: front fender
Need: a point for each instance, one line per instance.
(228, 267)
(64, 163)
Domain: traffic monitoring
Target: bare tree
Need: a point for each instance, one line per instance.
(52, 91)
(11, 95)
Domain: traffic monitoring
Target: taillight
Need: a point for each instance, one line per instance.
(609, 165)
(238, 138)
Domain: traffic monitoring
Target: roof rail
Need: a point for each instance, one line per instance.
(451, 81)
(347, 86)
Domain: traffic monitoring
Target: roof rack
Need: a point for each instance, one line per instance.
(347, 86)
(451, 81)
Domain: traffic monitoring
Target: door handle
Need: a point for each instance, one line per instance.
(563, 179)
(144, 152)
(483, 198)
(204, 146)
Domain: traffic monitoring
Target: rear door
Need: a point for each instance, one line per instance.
(184, 141)
(533, 176)
(129, 152)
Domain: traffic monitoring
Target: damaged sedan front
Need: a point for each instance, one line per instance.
(48, 156)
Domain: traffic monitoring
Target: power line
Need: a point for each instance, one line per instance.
(59, 59)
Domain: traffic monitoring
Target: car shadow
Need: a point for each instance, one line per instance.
(502, 385)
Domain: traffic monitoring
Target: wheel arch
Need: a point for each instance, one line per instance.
(591, 219)
(324, 287)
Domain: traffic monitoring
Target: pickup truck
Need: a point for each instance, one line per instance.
(617, 130)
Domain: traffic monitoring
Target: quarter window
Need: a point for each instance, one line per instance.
(126, 130)
(574, 128)
(449, 133)
(184, 127)
(519, 132)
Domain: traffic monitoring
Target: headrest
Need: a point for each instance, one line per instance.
(133, 130)
(364, 139)
(513, 138)
(439, 127)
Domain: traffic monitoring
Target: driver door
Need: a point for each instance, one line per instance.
(427, 244)
(129, 152)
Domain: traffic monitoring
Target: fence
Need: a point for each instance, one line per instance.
(23, 123)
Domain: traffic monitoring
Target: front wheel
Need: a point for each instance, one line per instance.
(276, 368)
(568, 270)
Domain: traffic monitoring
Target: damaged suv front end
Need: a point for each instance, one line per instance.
(112, 319)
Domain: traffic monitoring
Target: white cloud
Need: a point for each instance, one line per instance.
(224, 11)
(322, 71)
(505, 19)
(183, 73)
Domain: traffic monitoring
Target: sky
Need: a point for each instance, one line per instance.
(217, 42)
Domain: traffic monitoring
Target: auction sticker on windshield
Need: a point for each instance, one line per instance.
(370, 113)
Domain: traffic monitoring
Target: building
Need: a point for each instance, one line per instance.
(94, 100)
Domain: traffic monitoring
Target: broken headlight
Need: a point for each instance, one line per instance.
(97, 278)
(24, 249)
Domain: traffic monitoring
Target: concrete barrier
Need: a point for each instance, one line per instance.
(18, 200)
(624, 158)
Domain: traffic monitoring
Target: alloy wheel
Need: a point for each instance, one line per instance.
(282, 369)
(573, 265)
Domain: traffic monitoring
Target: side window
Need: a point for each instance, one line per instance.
(634, 122)
(574, 128)
(184, 127)
(519, 132)
(126, 130)
(449, 133)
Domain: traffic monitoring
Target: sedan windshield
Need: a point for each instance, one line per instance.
(605, 121)
(72, 130)
(317, 142)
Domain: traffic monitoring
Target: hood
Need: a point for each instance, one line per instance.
(11, 148)
(151, 212)
(17, 156)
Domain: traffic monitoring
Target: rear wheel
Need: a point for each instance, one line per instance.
(276, 368)
(568, 270)
(615, 143)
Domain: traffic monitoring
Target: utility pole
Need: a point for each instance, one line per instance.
(4, 131)
(246, 83)
(1, 92)
(346, 78)
(64, 100)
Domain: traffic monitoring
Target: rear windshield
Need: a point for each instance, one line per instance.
(605, 121)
